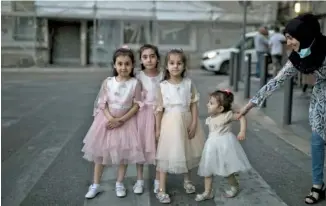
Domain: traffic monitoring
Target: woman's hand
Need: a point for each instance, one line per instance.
(245, 110)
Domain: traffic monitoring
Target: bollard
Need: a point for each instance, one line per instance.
(247, 79)
(288, 98)
(231, 68)
(263, 74)
(236, 72)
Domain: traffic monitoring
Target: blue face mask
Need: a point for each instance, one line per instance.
(303, 53)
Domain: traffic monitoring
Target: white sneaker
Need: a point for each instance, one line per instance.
(92, 191)
(138, 188)
(120, 190)
(156, 187)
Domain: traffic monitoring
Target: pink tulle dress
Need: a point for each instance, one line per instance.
(119, 145)
(145, 116)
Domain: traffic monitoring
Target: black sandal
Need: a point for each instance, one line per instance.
(321, 195)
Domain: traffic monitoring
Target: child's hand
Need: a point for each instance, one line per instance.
(241, 136)
(114, 123)
(157, 134)
(192, 130)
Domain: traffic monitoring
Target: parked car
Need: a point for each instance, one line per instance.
(218, 60)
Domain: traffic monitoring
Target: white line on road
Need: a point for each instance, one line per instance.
(33, 159)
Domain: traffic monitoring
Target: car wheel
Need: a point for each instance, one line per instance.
(224, 69)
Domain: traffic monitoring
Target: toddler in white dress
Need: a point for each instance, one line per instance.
(222, 154)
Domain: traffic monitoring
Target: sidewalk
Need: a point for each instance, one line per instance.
(254, 191)
(298, 133)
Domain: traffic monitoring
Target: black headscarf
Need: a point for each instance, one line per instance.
(306, 29)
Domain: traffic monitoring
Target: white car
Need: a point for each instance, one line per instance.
(218, 60)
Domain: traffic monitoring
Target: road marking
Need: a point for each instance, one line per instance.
(33, 163)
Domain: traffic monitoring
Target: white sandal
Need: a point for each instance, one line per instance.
(204, 196)
(163, 197)
(189, 187)
(232, 192)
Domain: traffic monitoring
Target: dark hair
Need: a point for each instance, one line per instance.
(152, 47)
(225, 98)
(123, 52)
(277, 29)
(183, 59)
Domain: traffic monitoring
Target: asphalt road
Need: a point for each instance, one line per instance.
(46, 115)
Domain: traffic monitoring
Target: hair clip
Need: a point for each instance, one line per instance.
(227, 91)
(125, 46)
(176, 49)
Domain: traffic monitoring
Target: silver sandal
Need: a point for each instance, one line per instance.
(189, 187)
(204, 196)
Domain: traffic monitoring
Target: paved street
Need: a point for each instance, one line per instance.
(46, 115)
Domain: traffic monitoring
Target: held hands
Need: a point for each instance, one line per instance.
(192, 130)
(114, 123)
(245, 110)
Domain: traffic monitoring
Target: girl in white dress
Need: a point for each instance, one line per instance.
(181, 138)
(223, 154)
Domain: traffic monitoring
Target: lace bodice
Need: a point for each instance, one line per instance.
(176, 95)
(220, 124)
(149, 86)
(118, 95)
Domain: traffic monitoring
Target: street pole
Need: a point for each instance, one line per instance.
(94, 33)
(242, 52)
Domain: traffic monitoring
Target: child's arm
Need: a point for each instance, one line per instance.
(130, 113)
(136, 105)
(243, 126)
(159, 110)
(194, 111)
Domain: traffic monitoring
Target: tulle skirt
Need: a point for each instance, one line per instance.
(176, 153)
(146, 132)
(112, 147)
(222, 155)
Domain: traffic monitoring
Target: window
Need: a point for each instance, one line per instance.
(250, 43)
(136, 33)
(26, 27)
(176, 35)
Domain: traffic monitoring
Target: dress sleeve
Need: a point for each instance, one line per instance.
(101, 99)
(138, 94)
(194, 94)
(287, 72)
(159, 101)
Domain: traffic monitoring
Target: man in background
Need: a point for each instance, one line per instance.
(276, 43)
(261, 47)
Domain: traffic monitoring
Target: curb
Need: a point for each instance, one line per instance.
(265, 121)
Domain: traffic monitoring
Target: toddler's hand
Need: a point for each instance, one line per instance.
(241, 136)
(192, 130)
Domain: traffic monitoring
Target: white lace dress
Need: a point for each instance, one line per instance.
(222, 154)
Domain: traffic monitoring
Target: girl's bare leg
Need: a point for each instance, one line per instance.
(187, 184)
(94, 189)
(98, 171)
(119, 186)
(139, 185)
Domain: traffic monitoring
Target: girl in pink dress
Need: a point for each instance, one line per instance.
(113, 138)
(150, 77)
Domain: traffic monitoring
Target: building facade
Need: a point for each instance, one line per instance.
(86, 33)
